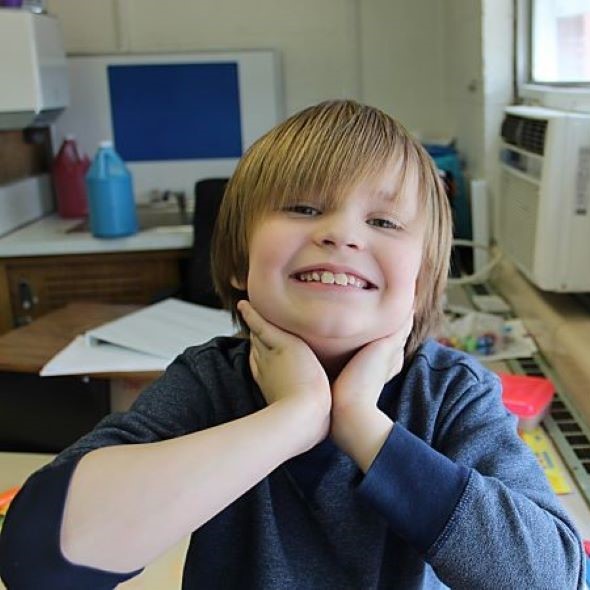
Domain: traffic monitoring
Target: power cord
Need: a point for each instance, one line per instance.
(482, 274)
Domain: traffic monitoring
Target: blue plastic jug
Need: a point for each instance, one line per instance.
(111, 205)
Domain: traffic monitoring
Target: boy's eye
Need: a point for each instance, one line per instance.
(306, 210)
(384, 223)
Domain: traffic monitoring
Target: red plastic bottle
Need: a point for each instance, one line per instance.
(69, 170)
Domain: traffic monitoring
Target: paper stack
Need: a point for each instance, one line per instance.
(145, 340)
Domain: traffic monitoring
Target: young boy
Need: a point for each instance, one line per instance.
(333, 447)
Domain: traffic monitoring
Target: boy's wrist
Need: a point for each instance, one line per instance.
(305, 421)
(360, 431)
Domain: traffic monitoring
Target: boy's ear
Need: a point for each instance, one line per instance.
(238, 284)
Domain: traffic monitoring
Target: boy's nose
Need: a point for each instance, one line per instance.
(338, 233)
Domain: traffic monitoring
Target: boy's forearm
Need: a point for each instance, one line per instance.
(361, 431)
(119, 496)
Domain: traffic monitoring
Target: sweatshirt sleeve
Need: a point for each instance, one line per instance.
(34, 522)
(474, 501)
(30, 550)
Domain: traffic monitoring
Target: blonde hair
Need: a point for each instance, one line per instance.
(321, 153)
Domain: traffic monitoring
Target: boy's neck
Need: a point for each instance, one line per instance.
(334, 363)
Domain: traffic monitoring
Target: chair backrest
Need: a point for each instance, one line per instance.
(198, 285)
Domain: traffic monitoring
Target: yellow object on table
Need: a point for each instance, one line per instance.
(539, 443)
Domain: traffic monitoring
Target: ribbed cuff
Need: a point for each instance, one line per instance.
(414, 487)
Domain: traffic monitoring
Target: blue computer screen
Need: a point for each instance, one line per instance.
(177, 111)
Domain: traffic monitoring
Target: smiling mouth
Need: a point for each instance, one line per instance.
(327, 277)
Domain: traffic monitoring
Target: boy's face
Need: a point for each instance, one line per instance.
(343, 277)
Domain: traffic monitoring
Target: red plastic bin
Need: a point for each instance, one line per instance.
(527, 397)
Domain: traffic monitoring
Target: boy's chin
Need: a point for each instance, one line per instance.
(326, 347)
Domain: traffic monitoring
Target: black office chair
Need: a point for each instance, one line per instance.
(198, 285)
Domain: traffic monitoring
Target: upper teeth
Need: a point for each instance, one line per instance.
(330, 278)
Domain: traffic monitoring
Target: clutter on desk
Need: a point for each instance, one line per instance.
(528, 397)
(486, 336)
(476, 333)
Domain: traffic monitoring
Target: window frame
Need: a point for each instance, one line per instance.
(559, 95)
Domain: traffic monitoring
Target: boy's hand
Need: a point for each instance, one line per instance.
(285, 368)
(358, 427)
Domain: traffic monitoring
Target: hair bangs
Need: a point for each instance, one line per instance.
(319, 158)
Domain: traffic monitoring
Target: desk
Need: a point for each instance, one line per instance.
(25, 350)
(28, 348)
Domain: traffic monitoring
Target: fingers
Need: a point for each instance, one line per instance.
(253, 365)
(257, 349)
(262, 333)
(258, 333)
(405, 330)
(394, 346)
(401, 335)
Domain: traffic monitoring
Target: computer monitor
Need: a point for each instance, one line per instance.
(174, 118)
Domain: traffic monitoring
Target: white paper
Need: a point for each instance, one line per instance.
(145, 340)
(164, 329)
(77, 358)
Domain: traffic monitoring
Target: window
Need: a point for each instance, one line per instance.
(552, 57)
(560, 42)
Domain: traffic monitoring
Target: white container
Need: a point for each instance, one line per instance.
(33, 69)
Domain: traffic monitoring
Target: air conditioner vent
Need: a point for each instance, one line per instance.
(528, 134)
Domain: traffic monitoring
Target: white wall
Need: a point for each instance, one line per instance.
(385, 52)
(464, 78)
(497, 71)
(402, 62)
(317, 40)
(478, 36)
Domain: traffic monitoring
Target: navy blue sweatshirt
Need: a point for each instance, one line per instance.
(454, 498)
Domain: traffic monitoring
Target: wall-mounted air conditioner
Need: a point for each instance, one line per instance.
(544, 196)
